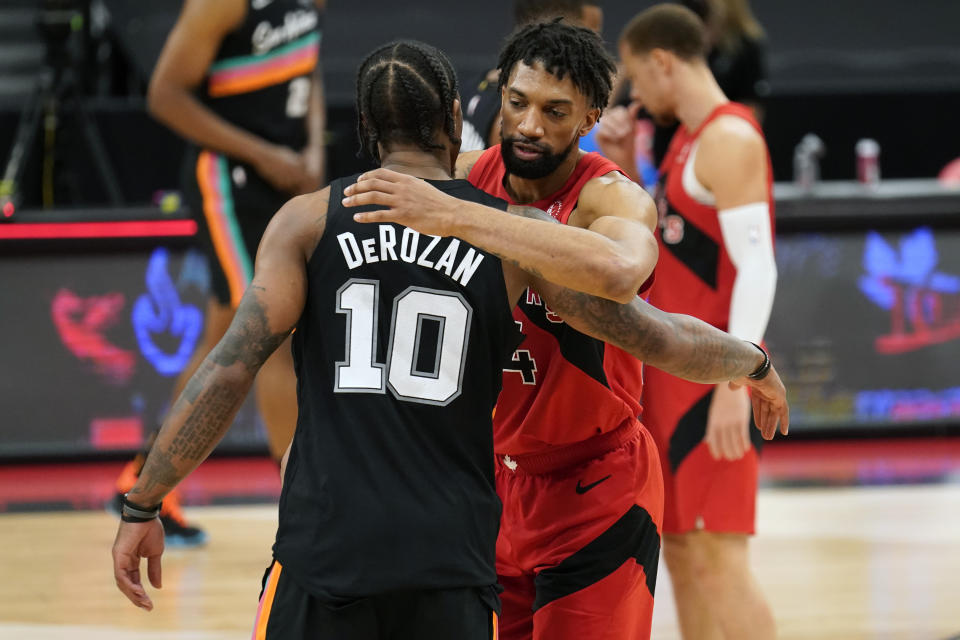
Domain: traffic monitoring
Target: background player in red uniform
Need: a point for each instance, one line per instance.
(716, 263)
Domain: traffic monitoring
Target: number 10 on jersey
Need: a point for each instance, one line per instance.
(407, 375)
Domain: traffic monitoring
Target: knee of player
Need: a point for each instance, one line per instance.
(723, 560)
(684, 558)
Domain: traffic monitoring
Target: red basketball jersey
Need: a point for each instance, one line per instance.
(694, 273)
(565, 386)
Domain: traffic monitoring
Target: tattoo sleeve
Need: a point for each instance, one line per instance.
(205, 410)
(678, 344)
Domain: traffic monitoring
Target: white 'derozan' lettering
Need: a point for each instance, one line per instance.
(351, 250)
(366, 251)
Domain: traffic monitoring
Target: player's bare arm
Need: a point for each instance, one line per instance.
(580, 258)
(186, 56)
(620, 210)
(676, 343)
(731, 162)
(313, 154)
(200, 418)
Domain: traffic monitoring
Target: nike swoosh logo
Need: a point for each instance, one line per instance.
(581, 489)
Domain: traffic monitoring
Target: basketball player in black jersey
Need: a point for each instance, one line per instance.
(240, 81)
(388, 516)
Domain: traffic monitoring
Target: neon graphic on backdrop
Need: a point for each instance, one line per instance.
(81, 324)
(924, 303)
(159, 312)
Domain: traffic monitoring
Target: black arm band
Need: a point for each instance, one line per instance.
(133, 512)
(760, 372)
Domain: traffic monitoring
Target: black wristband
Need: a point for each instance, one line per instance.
(133, 512)
(125, 517)
(760, 372)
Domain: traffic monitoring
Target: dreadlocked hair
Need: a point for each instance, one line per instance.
(405, 94)
(562, 49)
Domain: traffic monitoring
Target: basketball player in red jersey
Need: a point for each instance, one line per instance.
(717, 264)
(578, 474)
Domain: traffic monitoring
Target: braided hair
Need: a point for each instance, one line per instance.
(563, 49)
(405, 94)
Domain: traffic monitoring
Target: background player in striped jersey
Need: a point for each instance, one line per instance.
(716, 263)
(240, 80)
(388, 515)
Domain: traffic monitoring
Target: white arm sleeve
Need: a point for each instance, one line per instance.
(748, 239)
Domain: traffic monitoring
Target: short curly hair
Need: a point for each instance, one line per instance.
(563, 49)
(405, 94)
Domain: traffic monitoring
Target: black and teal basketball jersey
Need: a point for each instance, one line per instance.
(399, 357)
(261, 77)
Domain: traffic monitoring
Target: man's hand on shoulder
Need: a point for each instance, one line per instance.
(407, 200)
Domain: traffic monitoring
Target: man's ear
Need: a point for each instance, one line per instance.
(663, 59)
(589, 121)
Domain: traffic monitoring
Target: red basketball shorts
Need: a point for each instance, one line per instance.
(701, 493)
(580, 539)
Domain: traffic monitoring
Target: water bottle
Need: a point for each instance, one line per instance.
(868, 162)
(806, 161)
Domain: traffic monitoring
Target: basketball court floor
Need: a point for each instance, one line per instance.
(842, 555)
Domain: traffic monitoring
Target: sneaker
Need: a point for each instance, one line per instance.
(177, 532)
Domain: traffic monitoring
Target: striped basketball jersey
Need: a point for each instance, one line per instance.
(562, 386)
(398, 353)
(261, 77)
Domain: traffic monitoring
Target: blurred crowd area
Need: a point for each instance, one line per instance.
(840, 71)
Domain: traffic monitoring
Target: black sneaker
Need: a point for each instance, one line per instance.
(115, 504)
(181, 535)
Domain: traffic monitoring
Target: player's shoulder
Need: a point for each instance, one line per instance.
(731, 129)
(464, 190)
(612, 183)
(727, 146)
(466, 162)
(615, 194)
(302, 220)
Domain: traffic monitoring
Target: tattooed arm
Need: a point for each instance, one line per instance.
(267, 313)
(676, 343)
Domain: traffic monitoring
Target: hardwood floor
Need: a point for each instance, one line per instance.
(838, 564)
